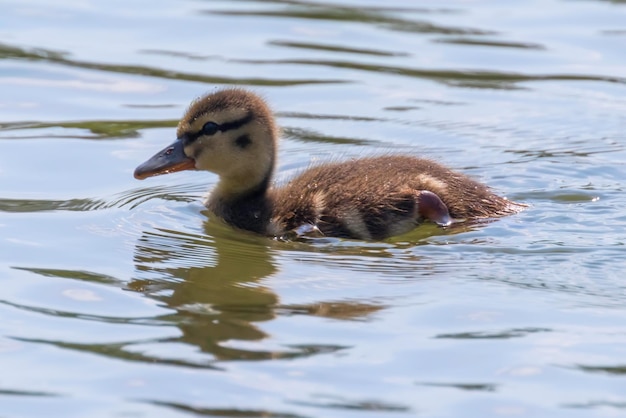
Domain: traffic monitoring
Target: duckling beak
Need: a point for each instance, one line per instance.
(168, 160)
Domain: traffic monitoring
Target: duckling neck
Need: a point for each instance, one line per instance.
(247, 208)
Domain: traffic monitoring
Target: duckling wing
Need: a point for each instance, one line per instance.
(368, 198)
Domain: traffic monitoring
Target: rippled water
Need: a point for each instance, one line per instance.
(120, 298)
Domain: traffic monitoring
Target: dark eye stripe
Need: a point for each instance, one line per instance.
(227, 126)
(190, 137)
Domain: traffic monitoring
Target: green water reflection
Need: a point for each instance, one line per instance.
(214, 284)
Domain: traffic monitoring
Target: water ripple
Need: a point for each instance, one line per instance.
(338, 402)
(483, 387)
(337, 48)
(378, 16)
(123, 351)
(56, 57)
(458, 78)
(490, 43)
(100, 129)
(309, 135)
(130, 199)
(224, 412)
(506, 334)
(28, 393)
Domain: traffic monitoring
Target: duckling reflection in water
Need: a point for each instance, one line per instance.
(232, 133)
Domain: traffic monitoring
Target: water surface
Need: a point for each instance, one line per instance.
(122, 298)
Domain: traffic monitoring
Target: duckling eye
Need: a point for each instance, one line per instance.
(210, 128)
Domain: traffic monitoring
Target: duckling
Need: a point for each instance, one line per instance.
(232, 133)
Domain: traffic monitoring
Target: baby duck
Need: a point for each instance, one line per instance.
(232, 133)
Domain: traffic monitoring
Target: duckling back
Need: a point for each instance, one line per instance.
(374, 198)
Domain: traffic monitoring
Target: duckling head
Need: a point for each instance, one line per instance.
(231, 133)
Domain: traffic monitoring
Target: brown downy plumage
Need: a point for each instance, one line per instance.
(232, 133)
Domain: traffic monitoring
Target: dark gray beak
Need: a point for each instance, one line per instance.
(168, 160)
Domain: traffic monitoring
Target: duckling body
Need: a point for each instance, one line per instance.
(232, 133)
